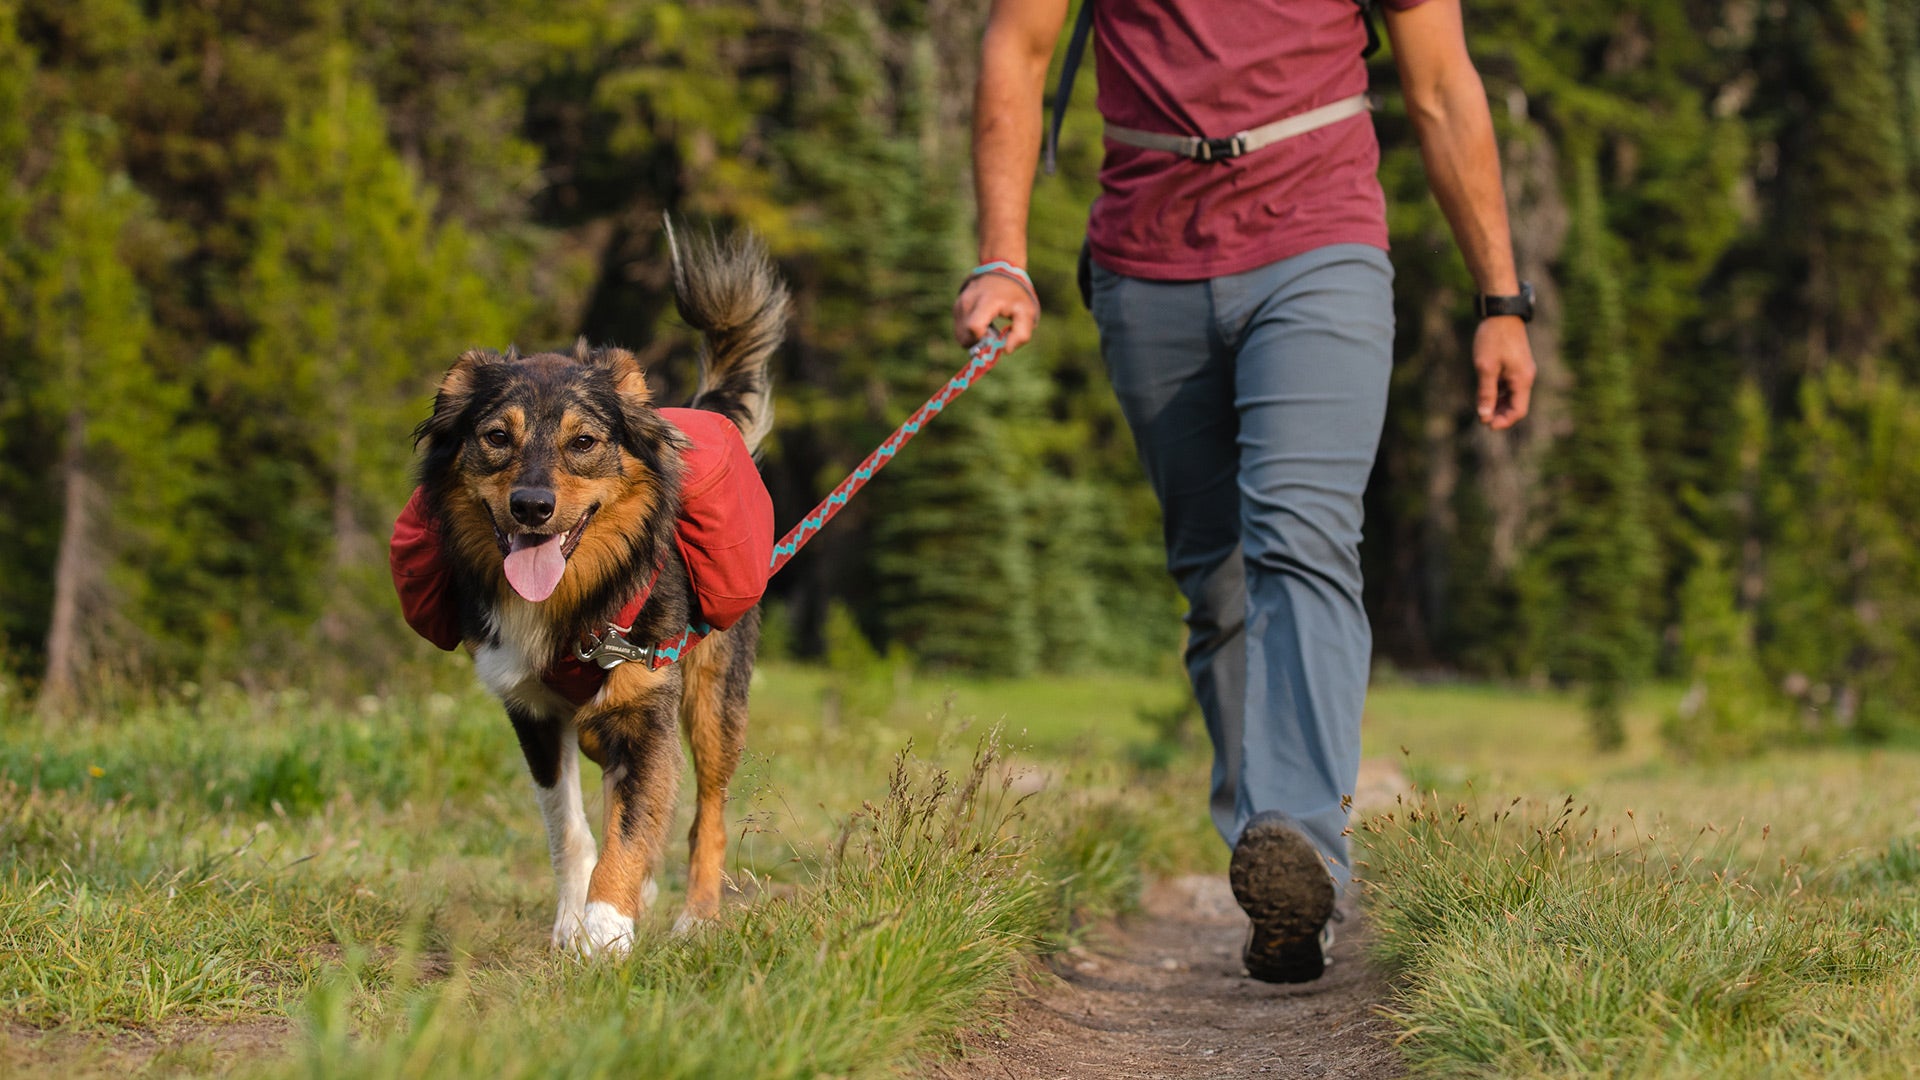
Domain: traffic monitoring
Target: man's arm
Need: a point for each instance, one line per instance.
(1448, 105)
(1006, 146)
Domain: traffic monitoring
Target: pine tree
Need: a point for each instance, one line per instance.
(1590, 576)
(87, 332)
(1062, 527)
(1843, 586)
(952, 552)
(359, 301)
(1728, 710)
(1903, 42)
(951, 571)
(1845, 210)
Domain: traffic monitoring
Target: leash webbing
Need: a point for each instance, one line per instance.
(979, 361)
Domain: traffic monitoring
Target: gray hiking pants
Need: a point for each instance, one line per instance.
(1256, 401)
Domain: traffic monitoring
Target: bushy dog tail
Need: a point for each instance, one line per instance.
(730, 292)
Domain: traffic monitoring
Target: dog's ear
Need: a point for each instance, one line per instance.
(647, 435)
(623, 369)
(456, 394)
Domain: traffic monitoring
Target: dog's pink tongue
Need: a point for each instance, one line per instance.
(534, 565)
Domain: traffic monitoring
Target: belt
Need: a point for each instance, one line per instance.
(1200, 148)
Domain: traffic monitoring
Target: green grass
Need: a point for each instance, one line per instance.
(362, 889)
(1748, 919)
(375, 876)
(840, 977)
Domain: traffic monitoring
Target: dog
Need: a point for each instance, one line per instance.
(552, 486)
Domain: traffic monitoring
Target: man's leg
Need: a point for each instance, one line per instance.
(1314, 338)
(1174, 379)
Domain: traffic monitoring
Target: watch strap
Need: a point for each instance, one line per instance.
(1521, 304)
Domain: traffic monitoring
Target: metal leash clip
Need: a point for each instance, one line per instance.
(612, 649)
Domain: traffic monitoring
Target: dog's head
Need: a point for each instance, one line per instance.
(543, 463)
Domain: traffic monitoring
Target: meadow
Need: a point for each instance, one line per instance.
(270, 885)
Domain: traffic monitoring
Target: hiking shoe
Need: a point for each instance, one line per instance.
(1281, 882)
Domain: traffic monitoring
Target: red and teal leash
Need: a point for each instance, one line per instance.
(612, 649)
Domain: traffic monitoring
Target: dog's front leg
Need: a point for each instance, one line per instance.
(632, 734)
(552, 749)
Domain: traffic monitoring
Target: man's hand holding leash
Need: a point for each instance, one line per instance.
(996, 291)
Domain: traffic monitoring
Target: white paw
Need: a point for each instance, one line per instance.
(604, 931)
(688, 922)
(568, 926)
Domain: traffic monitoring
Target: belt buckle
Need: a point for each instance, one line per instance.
(1223, 149)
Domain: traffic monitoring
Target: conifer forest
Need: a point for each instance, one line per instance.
(241, 240)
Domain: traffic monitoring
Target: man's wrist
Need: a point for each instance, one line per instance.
(1518, 303)
(1003, 245)
(1003, 269)
(1506, 284)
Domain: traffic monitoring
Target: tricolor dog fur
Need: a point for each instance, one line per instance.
(554, 482)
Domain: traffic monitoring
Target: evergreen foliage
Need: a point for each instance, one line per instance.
(358, 301)
(1590, 575)
(112, 450)
(238, 244)
(953, 556)
(1844, 571)
(1727, 711)
(1851, 196)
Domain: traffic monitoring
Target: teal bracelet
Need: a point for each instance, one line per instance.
(1003, 269)
(1007, 267)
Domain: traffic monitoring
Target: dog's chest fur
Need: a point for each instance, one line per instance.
(510, 665)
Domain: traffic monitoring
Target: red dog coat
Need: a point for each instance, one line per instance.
(725, 536)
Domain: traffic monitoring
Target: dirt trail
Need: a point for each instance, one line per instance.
(185, 1048)
(1162, 994)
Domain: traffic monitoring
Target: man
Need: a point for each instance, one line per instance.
(1245, 307)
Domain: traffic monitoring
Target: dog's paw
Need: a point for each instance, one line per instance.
(687, 922)
(604, 932)
(570, 929)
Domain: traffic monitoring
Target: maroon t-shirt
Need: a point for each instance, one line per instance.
(1213, 68)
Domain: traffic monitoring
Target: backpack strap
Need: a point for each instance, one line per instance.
(1368, 8)
(1069, 67)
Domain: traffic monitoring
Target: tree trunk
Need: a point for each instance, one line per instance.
(74, 572)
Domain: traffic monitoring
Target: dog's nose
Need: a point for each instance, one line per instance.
(531, 506)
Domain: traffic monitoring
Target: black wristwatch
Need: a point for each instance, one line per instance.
(1522, 305)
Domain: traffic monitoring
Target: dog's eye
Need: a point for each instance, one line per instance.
(583, 443)
(498, 439)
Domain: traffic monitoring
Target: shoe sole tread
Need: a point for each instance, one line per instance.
(1281, 881)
